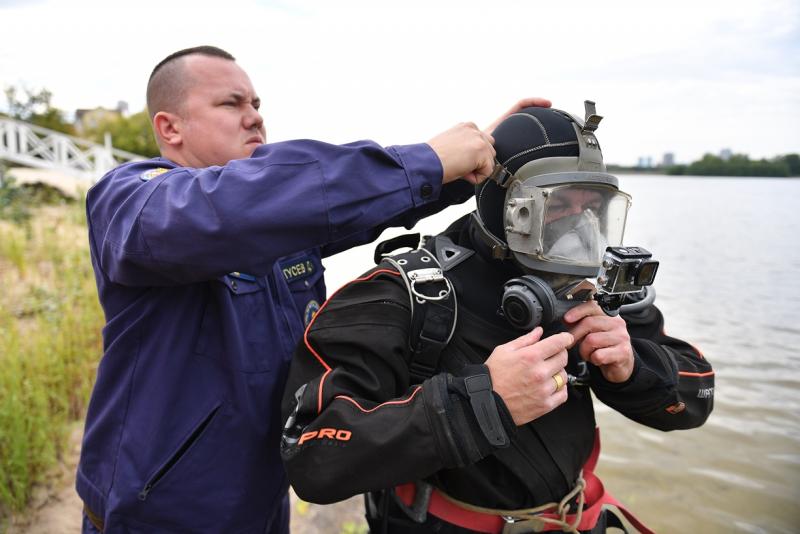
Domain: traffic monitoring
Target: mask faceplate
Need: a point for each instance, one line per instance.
(565, 226)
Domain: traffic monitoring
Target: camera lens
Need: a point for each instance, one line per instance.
(646, 274)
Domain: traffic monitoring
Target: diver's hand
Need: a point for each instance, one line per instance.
(524, 103)
(465, 152)
(522, 374)
(602, 340)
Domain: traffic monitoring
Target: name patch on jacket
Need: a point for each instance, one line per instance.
(298, 268)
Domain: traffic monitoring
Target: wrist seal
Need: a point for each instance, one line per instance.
(481, 398)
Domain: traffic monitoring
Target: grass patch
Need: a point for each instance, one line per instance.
(50, 341)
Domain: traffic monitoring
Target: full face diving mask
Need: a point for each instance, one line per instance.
(562, 222)
(559, 226)
(561, 215)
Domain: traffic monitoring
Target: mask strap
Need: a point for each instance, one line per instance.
(500, 250)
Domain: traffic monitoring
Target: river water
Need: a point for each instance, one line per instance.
(729, 283)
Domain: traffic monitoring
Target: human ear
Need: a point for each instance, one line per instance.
(167, 127)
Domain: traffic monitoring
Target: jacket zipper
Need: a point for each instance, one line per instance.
(156, 478)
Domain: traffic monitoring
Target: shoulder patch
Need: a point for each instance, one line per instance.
(152, 173)
(311, 310)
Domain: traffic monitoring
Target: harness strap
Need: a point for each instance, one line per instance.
(433, 309)
(385, 248)
(431, 326)
(590, 491)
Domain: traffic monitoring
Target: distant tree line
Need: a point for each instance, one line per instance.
(739, 165)
(132, 133)
(35, 107)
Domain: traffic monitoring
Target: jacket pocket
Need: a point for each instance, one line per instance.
(237, 324)
(179, 454)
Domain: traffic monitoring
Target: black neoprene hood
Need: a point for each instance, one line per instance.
(530, 134)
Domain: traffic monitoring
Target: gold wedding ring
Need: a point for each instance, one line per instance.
(559, 382)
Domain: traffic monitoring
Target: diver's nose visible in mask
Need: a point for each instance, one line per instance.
(581, 242)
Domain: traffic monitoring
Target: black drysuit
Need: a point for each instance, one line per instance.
(358, 423)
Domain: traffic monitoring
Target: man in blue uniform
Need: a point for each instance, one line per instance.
(207, 262)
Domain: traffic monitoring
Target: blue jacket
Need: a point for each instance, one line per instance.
(207, 278)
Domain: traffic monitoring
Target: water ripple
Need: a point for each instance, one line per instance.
(790, 458)
(749, 527)
(782, 328)
(649, 435)
(730, 478)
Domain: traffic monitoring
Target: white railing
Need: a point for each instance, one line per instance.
(32, 146)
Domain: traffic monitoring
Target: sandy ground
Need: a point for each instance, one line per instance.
(56, 508)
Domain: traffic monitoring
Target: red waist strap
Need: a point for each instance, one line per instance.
(595, 497)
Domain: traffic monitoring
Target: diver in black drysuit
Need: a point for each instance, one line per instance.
(442, 453)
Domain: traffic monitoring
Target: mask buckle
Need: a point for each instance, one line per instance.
(501, 175)
(591, 119)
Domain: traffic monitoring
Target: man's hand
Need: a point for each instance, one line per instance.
(603, 340)
(465, 152)
(524, 103)
(522, 374)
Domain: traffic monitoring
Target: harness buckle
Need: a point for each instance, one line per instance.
(424, 276)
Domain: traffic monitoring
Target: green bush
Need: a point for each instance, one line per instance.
(50, 324)
(15, 202)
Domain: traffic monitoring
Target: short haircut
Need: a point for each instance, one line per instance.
(167, 85)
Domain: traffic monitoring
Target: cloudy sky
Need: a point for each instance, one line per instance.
(687, 77)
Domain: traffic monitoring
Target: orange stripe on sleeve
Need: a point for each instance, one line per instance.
(319, 391)
(327, 367)
(684, 373)
(388, 403)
